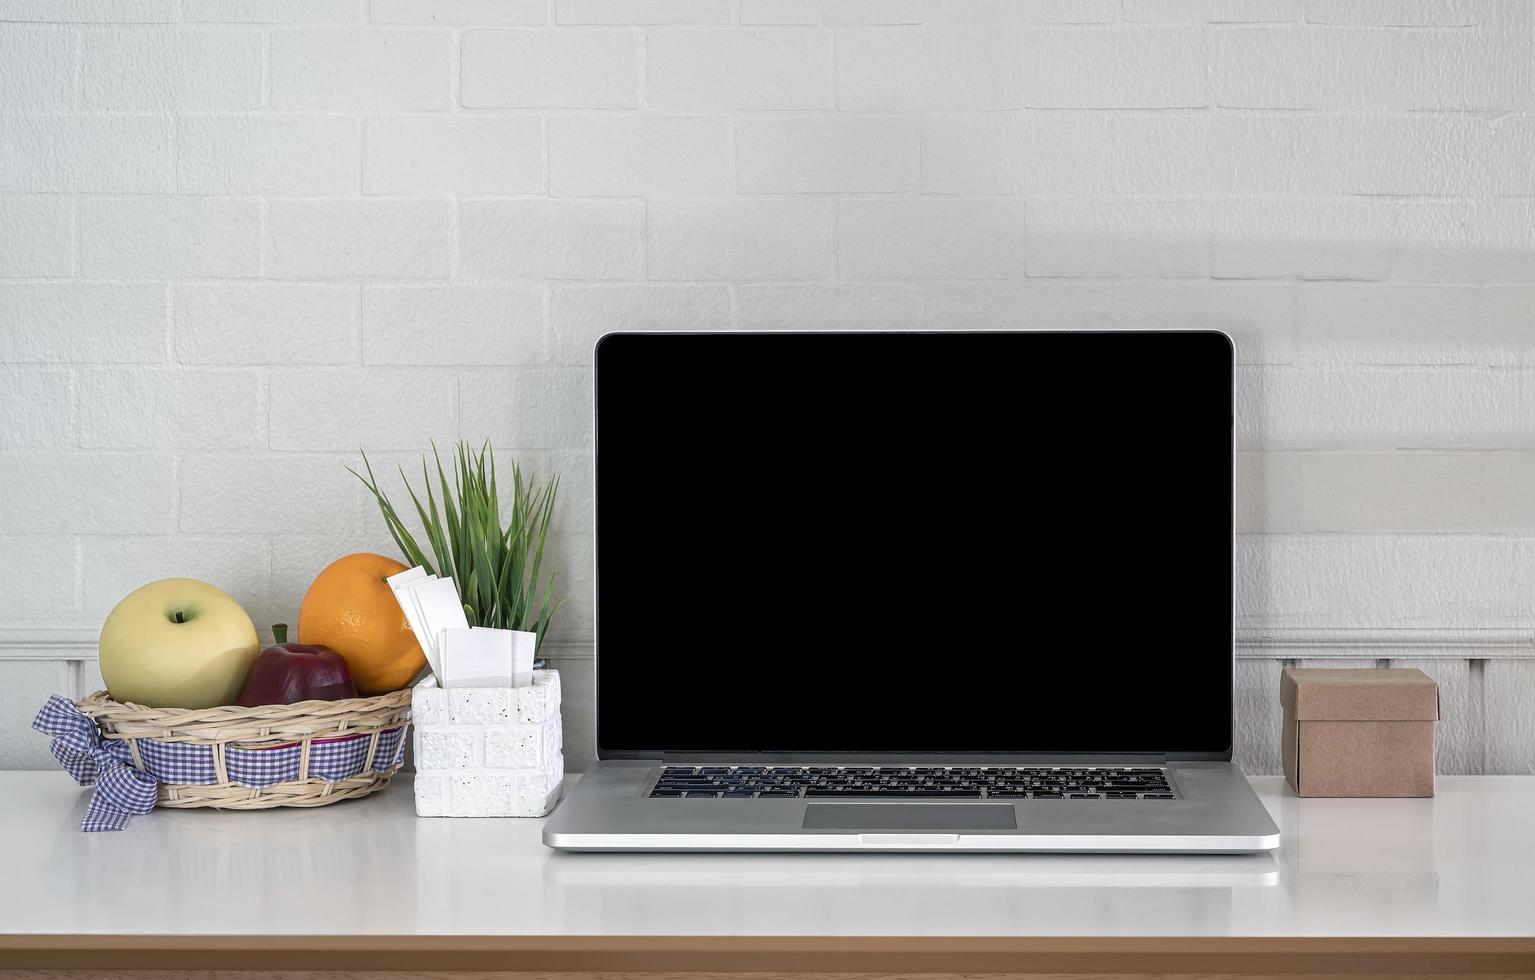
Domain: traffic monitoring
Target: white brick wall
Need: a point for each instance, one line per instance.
(932, 238)
(264, 323)
(159, 238)
(579, 314)
(359, 70)
(825, 154)
(746, 238)
(544, 239)
(639, 156)
(415, 155)
(504, 324)
(363, 239)
(241, 240)
(1136, 67)
(153, 408)
(574, 68)
(276, 155)
(738, 68)
(128, 154)
(905, 69)
(82, 322)
(201, 69)
(36, 60)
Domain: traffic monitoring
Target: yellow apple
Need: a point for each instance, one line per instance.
(177, 643)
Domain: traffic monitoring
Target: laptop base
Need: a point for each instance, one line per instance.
(1215, 811)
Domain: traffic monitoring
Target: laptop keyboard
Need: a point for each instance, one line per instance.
(892, 782)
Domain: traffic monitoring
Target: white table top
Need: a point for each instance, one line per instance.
(1459, 865)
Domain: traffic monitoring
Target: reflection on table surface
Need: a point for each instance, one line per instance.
(1457, 865)
(868, 894)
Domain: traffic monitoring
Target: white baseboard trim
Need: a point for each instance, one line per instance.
(44, 643)
(1386, 644)
(1287, 643)
(79, 643)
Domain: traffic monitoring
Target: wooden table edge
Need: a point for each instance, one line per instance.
(775, 954)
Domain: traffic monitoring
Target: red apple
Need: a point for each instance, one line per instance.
(288, 672)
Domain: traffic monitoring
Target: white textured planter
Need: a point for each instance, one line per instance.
(488, 751)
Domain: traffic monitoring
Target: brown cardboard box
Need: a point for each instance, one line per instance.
(1367, 732)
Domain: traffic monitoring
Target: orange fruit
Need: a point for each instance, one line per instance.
(351, 609)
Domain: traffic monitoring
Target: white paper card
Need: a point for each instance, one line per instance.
(399, 579)
(458, 655)
(486, 658)
(430, 604)
(524, 651)
(402, 583)
(425, 635)
(476, 658)
(441, 609)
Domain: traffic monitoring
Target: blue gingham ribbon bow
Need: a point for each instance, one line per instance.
(121, 790)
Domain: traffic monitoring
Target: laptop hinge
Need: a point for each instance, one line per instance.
(1198, 757)
(917, 758)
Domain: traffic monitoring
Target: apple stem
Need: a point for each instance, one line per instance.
(279, 632)
(181, 617)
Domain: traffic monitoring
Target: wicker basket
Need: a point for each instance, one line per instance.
(290, 728)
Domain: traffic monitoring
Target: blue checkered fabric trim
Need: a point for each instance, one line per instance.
(100, 815)
(391, 750)
(177, 762)
(259, 768)
(329, 759)
(121, 790)
(335, 759)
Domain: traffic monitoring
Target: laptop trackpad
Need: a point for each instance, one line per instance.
(909, 816)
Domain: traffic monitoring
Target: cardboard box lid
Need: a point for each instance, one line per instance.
(1363, 694)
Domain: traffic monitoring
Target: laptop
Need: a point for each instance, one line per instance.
(914, 592)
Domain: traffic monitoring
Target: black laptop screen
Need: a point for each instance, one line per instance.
(909, 543)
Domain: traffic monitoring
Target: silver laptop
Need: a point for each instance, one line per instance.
(914, 592)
